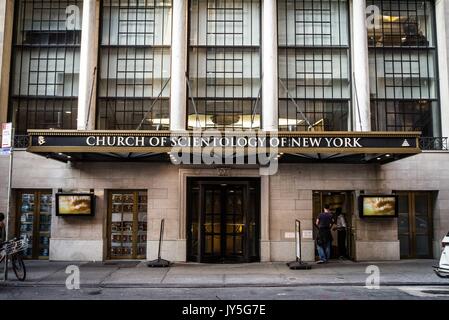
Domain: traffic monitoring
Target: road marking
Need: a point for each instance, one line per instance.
(426, 292)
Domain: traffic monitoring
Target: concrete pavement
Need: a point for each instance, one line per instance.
(135, 274)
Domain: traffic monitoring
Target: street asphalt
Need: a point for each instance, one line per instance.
(334, 292)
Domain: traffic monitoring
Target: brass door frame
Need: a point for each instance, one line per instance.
(135, 193)
(411, 195)
(36, 219)
(198, 256)
(351, 230)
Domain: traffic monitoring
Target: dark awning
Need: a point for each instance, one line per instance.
(289, 147)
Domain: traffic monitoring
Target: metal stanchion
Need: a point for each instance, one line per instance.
(159, 262)
(298, 264)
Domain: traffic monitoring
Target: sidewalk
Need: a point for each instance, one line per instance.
(192, 275)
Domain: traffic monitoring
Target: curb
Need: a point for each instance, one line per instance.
(230, 285)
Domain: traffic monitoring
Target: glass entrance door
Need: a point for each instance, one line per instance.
(34, 221)
(223, 221)
(415, 224)
(127, 224)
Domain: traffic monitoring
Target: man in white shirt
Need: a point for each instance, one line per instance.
(341, 232)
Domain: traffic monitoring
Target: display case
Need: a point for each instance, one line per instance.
(128, 224)
(44, 225)
(26, 212)
(34, 212)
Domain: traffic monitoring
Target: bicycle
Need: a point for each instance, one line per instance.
(12, 250)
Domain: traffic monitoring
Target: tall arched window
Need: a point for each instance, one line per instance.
(402, 57)
(45, 64)
(134, 69)
(224, 64)
(314, 65)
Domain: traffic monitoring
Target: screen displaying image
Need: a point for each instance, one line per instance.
(75, 204)
(378, 206)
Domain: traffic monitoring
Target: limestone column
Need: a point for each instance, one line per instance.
(360, 77)
(442, 12)
(269, 66)
(88, 65)
(178, 86)
(265, 244)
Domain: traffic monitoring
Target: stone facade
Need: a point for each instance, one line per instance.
(286, 196)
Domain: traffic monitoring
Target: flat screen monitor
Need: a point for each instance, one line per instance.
(378, 206)
(75, 204)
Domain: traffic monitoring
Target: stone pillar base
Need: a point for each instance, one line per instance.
(265, 255)
(377, 250)
(285, 251)
(76, 250)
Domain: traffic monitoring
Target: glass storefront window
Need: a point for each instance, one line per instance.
(415, 224)
(34, 212)
(314, 64)
(134, 66)
(224, 64)
(402, 64)
(128, 224)
(45, 69)
(400, 23)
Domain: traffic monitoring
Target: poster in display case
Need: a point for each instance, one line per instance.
(75, 204)
(34, 221)
(378, 206)
(128, 224)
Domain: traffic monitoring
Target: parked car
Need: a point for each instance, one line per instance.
(442, 270)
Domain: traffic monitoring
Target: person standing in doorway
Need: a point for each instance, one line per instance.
(2, 227)
(341, 232)
(324, 223)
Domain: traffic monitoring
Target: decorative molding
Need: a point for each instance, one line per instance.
(224, 171)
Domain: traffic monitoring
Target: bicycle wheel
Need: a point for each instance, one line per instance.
(18, 266)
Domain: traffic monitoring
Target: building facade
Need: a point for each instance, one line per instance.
(90, 85)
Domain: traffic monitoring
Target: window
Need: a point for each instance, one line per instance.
(224, 64)
(402, 58)
(33, 218)
(45, 68)
(127, 221)
(314, 65)
(415, 224)
(134, 69)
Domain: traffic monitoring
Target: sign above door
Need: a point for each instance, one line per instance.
(308, 144)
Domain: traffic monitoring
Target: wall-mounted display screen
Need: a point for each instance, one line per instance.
(75, 204)
(373, 206)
